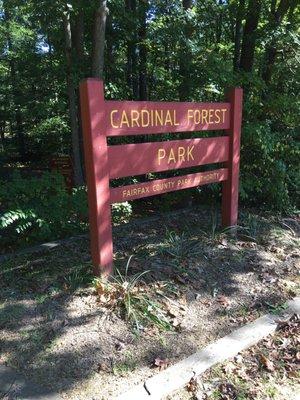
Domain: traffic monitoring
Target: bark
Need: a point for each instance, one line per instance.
(99, 39)
(187, 4)
(49, 45)
(2, 133)
(109, 72)
(238, 34)
(77, 42)
(78, 35)
(219, 21)
(132, 65)
(249, 35)
(78, 176)
(271, 50)
(142, 34)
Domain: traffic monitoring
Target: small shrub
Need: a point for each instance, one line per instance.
(269, 166)
(33, 210)
(39, 209)
(127, 294)
(55, 132)
(180, 247)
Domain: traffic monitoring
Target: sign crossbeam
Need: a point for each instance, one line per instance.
(126, 118)
(160, 186)
(141, 158)
(102, 119)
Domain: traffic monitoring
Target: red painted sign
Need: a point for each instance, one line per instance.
(102, 119)
(138, 159)
(143, 117)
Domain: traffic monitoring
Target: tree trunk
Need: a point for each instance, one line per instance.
(219, 21)
(109, 72)
(78, 175)
(78, 49)
(2, 133)
(78, 36)
(276, 18)
(238, 34)
(249, 36)
(131, 66)
(99, 39)
(187, 4)
(143, 51)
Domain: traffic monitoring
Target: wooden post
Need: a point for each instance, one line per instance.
(230, 189)
(97, 174)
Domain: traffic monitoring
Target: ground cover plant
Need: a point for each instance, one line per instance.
(40, 209)
(75, 335)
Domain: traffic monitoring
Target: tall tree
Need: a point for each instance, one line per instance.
(238, 34)
(78, 35)
(99, 39)
(249, 35)
(276, 17)
(14, 83)
(78, 175)
(132, 60)
(142, 37)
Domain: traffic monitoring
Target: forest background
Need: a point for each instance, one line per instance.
(144, 50)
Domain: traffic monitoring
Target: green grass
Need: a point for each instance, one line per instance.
(180, 247)
(123, 368)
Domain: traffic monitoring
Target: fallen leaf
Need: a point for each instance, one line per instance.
(229, 368)
(268, 364)
(228, 391)
(192, 386)
(161, 363)
(119, 346)
(174, 312)
(103, 367)
(223, 300)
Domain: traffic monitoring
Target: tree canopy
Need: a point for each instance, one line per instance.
(155, 50)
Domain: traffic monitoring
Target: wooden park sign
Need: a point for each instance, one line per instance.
(102, 119)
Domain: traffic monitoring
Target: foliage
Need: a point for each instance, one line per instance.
(179, 246)
(173, 50)
(55, 132)
(122, 211)
(33, 210)
(36, 209)
(270, 170)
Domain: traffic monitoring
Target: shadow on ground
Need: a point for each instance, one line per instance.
(54, 330)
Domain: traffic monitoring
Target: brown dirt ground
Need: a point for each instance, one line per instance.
(56, 332)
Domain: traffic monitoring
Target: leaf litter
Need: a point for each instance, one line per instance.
(105, 333)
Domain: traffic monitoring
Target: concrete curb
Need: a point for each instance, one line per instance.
(178, 375)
